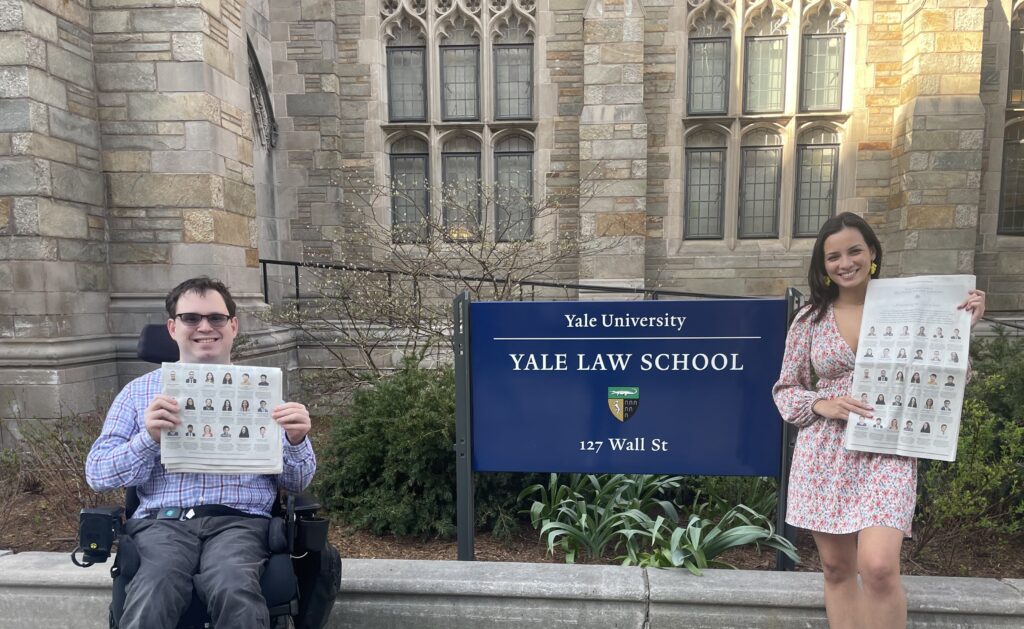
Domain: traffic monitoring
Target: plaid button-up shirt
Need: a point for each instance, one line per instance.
(126, 456)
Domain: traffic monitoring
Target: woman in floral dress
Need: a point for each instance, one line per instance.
(857, 505)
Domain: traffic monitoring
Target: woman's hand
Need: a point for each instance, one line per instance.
(974, 304)
(841, 407)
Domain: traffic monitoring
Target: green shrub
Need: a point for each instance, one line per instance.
(389, 466)
(983, 490)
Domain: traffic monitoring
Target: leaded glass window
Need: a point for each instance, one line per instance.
(708, 76)
(817, 157)
(407, 71)
(460, 194)
(760, 172)
(513, 73)
(513, 181)
(460, 74)
(410, 197)
(821, 62)
(766, 74)
(705, 185)
(1011, 209)
(1015, 93)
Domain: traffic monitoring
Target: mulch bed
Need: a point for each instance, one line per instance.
(30, 525)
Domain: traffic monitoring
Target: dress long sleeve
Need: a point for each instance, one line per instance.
(794, 394)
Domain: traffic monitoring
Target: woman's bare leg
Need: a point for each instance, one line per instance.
(838, 555)
(878, 559)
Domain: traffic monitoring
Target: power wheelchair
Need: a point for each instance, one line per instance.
(302, 576)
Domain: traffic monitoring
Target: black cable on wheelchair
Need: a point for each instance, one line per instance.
(78, 563)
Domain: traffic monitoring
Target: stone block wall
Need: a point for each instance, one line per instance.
(54, 280)
(938, 132)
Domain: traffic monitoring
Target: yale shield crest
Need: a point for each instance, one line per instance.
(623, 402)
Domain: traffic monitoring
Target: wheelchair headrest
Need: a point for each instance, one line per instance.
(156, 344)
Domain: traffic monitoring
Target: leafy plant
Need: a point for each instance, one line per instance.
(659, 542)
(388, 466)
(10, 484)
(713, 496)
(585, 516)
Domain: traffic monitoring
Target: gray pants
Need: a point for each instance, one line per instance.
(221, 557)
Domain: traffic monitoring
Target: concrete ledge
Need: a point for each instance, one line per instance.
(46, 590)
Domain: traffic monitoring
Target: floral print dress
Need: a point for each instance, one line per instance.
(832, 489)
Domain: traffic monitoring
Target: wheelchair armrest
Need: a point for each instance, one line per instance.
(304, 504)
(98, 529)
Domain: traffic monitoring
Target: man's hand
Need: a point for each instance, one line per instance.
(161, 413)
(294, 418)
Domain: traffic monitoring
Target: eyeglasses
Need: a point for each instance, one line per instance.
(192, 319)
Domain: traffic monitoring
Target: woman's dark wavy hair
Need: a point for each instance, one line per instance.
(822, 295)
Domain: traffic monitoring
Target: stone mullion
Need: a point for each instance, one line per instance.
(613, 145)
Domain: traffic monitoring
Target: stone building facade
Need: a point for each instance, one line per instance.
(146, 141)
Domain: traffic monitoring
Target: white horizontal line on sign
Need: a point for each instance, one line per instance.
(625, 338)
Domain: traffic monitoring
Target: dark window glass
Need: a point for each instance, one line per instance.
(1011, 208)
(705, 192)
(708, 89)
(513, 82)
(815, 187)
(1015, 93)
(513, 179)
(759, 192)
(410, 198)
(766, 74)
(460, 82)
(822, 76)
(406, 72)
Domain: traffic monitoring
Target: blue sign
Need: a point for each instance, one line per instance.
(667, 387)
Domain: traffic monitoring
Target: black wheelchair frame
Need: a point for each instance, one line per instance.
(302, 575)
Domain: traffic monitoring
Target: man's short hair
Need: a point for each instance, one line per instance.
(198, 285)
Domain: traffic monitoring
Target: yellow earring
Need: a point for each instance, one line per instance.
(874, 268)
(828, 281)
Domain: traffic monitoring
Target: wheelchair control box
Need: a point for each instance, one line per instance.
(98, 529)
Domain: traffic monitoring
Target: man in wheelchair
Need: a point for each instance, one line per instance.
(201, 533)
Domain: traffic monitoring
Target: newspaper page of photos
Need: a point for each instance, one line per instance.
(225, 419)
(912, 366)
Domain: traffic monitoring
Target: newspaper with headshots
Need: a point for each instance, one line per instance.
(226, 426)
(912, 366)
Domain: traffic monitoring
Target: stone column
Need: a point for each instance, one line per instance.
(613, 145)
(177, 149)
(53, 274)
(938, 140)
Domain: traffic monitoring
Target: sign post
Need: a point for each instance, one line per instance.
(465, 508)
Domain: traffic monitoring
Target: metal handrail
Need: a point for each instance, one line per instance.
(649, 293)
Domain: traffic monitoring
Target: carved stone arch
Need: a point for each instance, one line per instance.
(529, 7)
(768, 17)
(511, 16)
(455, 19)
(264, 124)
(414, 7)
(698, 132)
(453, 134)
(710, 18)
(814, 125)
(503, 134)
(397, 136)
(402, 20)
(769, 128)
(834, 13)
